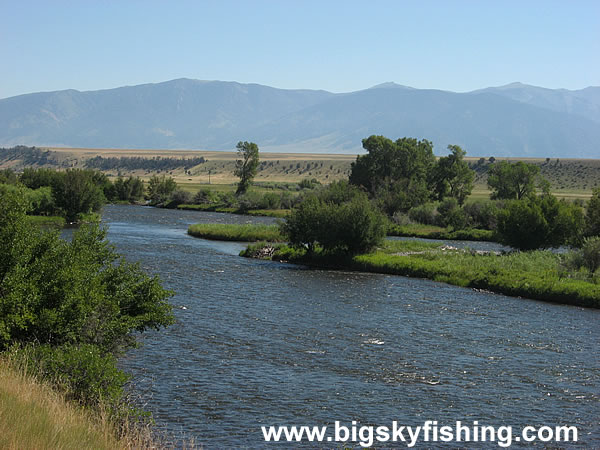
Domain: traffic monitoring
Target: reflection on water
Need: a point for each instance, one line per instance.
(262, 343)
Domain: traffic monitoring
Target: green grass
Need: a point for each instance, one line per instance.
(234, 232)
(281, 213)
(535, 275)
(433, 232)
(47, 221)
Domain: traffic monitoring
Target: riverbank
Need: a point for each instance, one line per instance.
(236, 232)
(535, 275)
(434, 232)
(279, 213)
(34, 415)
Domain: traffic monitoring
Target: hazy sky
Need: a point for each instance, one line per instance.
(338, 46)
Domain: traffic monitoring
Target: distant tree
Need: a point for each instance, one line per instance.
(512, 181)
(160, 189)
(246, 166)
(592, 217)
(77, 192)
(395, 173)
(452, 176)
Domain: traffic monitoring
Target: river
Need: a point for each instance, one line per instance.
(264, 343)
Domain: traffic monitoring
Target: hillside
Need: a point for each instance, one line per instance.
(513, 120)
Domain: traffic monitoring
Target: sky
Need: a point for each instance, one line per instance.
(339, 46)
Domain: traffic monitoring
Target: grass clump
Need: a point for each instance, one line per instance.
(235, 232)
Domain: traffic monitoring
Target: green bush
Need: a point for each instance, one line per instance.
(590, 252)
(539, 222)
(592, 217)
(82, 371)
(79, 292)
(425, 214)
(350, 226)
(450, 214)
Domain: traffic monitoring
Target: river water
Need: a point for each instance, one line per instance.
(264, 343)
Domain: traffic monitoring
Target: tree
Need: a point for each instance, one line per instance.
(246, 166)
(77, 192)
(396, 173)
(160, 189)
(592, 217)
(512, 181)
(452, 176)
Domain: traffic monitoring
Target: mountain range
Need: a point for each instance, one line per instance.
(511, 120)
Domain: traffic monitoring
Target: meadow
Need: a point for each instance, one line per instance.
(569, 178)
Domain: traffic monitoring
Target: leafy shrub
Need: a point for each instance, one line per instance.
(86, 374)
(351, 226)
(592, 217)
(204, 196)
(590, 252)
(483, 215)
(180, 197)
(539, 222)
(425, 214)
(307, 183)
(450, 214)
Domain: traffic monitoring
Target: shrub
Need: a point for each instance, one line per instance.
(539, 222)
(180, 197)
(592, 217)
(425, 214)
(204, 196)
(590, 253)
(86, 374)
(451, 214)
(350, 227)
(483, 215)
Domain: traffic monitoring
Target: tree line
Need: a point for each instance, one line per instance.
(71, 194)
(403, 180)
(139, 163)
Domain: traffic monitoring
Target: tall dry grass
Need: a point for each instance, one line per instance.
(33, 415)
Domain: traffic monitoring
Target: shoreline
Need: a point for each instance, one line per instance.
(528, 275)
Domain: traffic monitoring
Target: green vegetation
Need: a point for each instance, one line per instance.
(234, 232)
(452, 176)
(512, 181)
(36, 416)
(68, 309)
(592, 217)
(536, 275)
(131, 163)
(160, 190)
(279, 213)
(435, 232)
(246, 166)
(338, 219)
(540, 222)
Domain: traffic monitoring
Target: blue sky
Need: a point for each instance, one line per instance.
(338, 46)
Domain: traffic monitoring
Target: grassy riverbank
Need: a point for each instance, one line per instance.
(536, 275)
(48, 221)
(433, 232)
(280, 213)
(33, 415)
(235, 232)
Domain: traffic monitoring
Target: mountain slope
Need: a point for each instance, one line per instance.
(514, 120)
